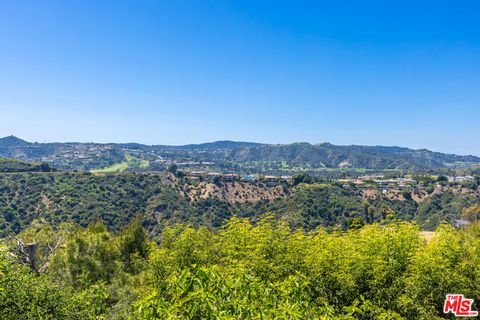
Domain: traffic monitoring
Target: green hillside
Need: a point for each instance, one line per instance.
(230, 155)
(130, 163)
(13, 165)
(117, 198)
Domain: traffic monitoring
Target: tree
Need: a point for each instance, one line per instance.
(369, 212)
(172, 168)
(472, 213)
(442, 179)
(302, 178)
(36, 245)
(26, 296)
(385, 211)
(89, 256)
(133, 244)
(45, 167)
(356, 223)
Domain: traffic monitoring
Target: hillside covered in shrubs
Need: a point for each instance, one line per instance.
(163, 200)
(241, 271)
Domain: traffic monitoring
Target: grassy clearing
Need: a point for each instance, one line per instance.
(143, 164)
(118, 167)
(130, 162)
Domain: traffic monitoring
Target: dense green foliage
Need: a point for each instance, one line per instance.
(445, 206)
(23, 295)
(12, 165)
(115, 199)
(77, 197)
(329, 205)
(244, 271)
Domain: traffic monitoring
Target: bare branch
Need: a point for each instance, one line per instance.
(27, 253)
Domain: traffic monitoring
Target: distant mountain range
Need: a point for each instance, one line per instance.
(217, 145)
(228, 154)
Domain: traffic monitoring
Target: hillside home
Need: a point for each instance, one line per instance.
(213, 175)
(270, 178)
(461, 179)
(231, 177)
(249, 178)
(196, 173)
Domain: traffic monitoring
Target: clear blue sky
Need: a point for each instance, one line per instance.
(173, 72)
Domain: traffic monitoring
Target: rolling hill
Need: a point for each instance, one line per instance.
(231, 154)
(332, 156)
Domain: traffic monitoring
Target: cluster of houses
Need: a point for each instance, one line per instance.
(379, 182)
(78, 153)
(211, 176)
(218, 176)
(460, 179)
(398, 183)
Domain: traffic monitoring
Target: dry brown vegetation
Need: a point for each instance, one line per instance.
(234, 192)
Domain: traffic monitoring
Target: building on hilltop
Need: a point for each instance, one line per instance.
(460, 179)
(231, 177)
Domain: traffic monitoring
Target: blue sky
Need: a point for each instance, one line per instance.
(174, 72)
